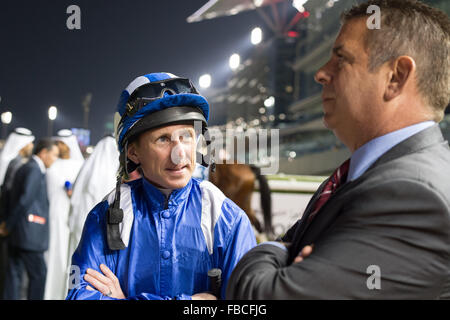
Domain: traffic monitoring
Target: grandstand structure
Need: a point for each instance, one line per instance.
(274, 86)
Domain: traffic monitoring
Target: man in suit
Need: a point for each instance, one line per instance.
(27, 224)
(379, 227)
(20, 137)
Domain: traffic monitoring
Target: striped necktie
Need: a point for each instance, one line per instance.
(337, 178)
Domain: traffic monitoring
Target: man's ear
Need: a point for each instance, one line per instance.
(132, 153)
(402, 72)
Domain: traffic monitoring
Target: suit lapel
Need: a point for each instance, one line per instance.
(308, 233)
(326, 215)
(313, 200)
(302, 225)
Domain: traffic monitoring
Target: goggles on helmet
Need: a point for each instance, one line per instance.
(155, 90)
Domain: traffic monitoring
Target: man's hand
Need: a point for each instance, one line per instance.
(107, 284)
(306, 251)
(203, 296)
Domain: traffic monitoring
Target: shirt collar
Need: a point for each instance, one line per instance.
(367, 154)
(157, 199)
(40, 163)
(166, 192)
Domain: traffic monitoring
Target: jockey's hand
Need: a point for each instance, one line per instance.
(203, 296)
(107, 283)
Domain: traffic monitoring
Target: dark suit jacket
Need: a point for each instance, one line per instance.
(6, 187)
(396, 216)
(28, 200)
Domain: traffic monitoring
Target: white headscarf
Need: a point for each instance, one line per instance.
(62, 171)
(96, 179)
(17, 139)
(66, 136)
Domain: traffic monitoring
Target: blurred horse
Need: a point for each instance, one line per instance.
(237, 182)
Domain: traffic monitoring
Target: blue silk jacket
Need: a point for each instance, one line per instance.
(170, 243)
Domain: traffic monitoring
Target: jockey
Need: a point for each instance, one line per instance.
(158, 236)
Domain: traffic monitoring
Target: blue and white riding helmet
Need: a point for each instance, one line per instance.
(155, 100)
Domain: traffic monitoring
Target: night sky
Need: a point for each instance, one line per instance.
(43, 63)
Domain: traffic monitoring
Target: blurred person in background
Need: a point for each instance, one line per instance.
(60, 178)
(17, 140)
(95, 180)
(16, 152)
(27, 224)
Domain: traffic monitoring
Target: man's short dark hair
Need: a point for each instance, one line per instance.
(44, 143)
(412, 28)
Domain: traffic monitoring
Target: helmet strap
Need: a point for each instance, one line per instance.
(115, 217)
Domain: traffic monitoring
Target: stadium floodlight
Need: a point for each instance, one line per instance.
(269, 102)
(258, 3)
(299, 4)
(235, 61)
(52, 113)
(205, 81)
(256, 36)
(6, 117)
